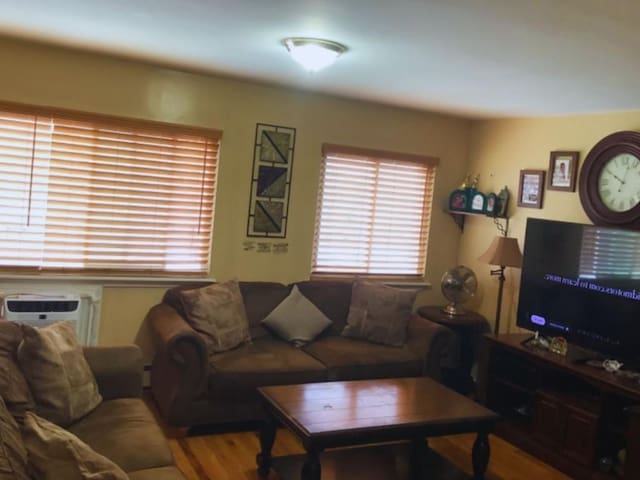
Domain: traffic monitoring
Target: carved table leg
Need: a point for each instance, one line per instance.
(419, 452)
(267, 436)
(311, 469)
(480, 455)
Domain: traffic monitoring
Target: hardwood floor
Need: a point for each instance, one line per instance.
(231, 456)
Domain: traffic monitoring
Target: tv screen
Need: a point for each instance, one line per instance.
(582, 282)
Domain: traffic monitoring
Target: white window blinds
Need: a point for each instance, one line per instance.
(373, 212)
(95, 194)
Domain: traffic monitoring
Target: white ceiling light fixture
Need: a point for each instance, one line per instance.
(313, 54)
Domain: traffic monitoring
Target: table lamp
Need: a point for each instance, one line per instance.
(504, 252)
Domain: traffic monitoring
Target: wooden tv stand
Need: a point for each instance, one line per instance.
(571, 415)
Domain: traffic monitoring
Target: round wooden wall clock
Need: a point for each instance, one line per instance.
(609, 182)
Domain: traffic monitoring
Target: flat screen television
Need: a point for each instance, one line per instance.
(582, 282)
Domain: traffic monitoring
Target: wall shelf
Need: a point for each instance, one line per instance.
(459, 218)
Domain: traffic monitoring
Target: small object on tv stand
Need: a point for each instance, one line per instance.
(537, 341)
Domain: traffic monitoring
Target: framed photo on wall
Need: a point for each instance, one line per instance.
(531, 188)
(563, 170)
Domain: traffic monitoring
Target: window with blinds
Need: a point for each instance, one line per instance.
(373, 212)
(609, 253)
(96, 194)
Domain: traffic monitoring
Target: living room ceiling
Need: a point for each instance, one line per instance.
(481, 58)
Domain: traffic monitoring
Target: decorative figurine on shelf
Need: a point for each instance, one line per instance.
(466, 183)
(503, 202)
(474, 183)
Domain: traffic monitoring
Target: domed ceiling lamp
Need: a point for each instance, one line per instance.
(313, 54)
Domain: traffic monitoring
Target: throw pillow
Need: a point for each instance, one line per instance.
(296, 319)
(13, 455)
(56, 454)
(13, 386)
(217, 313)
(61, 381)
(379, 313)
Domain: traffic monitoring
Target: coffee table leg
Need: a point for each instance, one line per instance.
(267, 436)
(418, 457)
(480, 455)
(311, 469)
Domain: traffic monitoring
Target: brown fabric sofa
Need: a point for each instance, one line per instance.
(122, 428)
(194, 389)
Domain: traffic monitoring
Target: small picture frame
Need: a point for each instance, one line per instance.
(531, 188)
(491, 206)
(458, 201)
(563, 170)
(478, 202)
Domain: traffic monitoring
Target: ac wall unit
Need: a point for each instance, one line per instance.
(41, 310)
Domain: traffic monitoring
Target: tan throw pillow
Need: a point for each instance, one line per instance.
(379, 313)
(296, 319)
(56, 454)
(13, 386)
(13, 455)
(217, 313)
(61, 381)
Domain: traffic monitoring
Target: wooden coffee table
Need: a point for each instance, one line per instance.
(340, 414)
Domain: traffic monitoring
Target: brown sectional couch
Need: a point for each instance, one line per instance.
(193, 389)
(122, 428)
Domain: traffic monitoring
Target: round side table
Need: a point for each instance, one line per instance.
(468, 328)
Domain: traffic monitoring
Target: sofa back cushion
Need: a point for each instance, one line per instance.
(333, 298)
(13, 386)
(379, 313)
(60, 379)
(260, 298)
(217, 313)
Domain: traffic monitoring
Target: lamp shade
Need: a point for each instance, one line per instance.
(503, 251)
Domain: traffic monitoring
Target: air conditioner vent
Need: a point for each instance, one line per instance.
(40, 306)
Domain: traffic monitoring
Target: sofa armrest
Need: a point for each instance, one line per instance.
(118, 370)
(180, 364)
(430, 341)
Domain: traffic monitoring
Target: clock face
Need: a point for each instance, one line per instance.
(619, 183)
(610, 181)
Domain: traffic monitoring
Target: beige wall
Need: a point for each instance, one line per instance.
(499, 149)
(43, 75)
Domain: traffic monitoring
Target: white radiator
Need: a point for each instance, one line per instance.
(40, 304)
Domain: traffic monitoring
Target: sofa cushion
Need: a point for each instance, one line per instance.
(296, 319)
(379, 313)
(350, 359)
(59, 376)
(54, 453)
(267, 361)
(332, 298)
(259, 299)
(217, 313)
(13, 454)
(13, 386)
(124, 431)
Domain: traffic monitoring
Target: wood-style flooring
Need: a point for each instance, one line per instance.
(231, 456)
